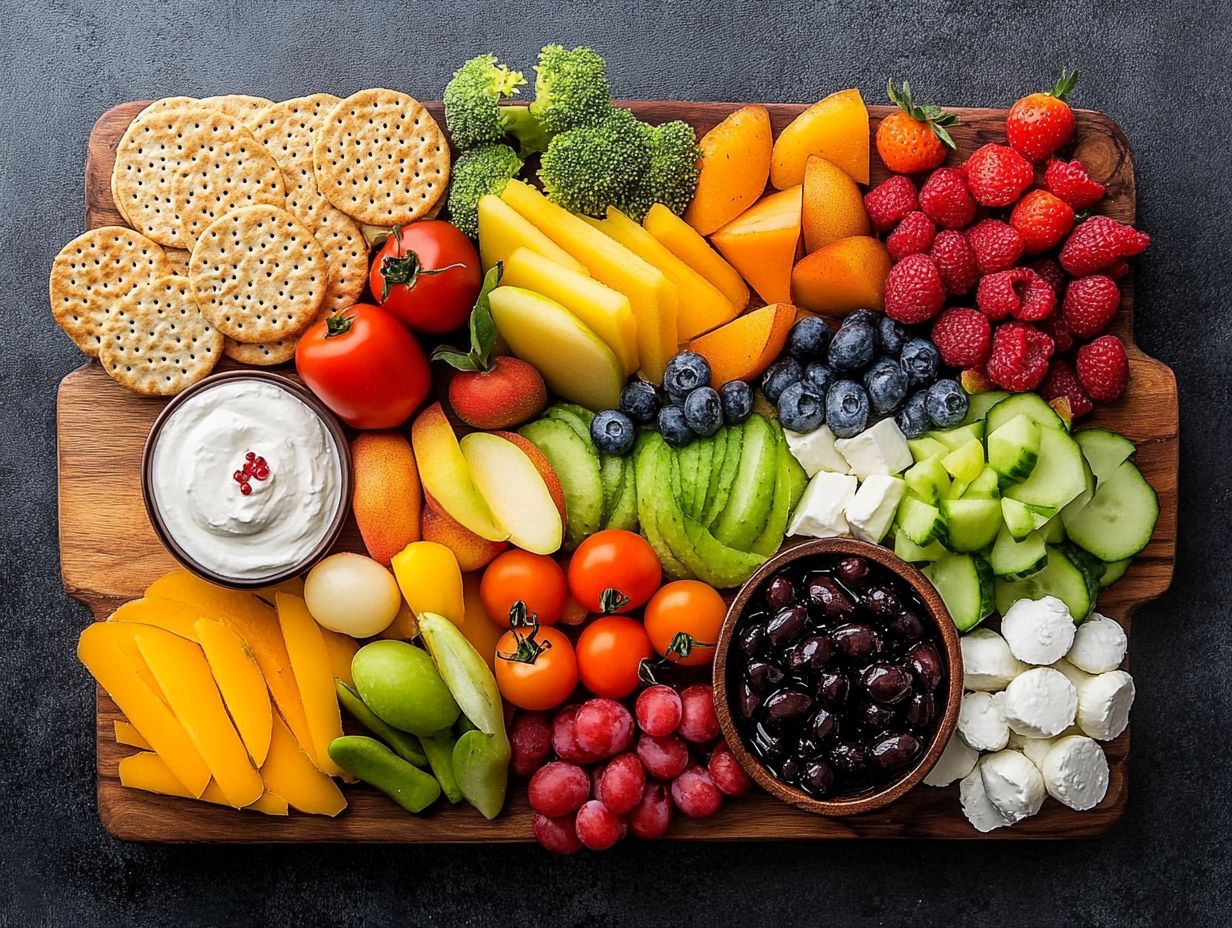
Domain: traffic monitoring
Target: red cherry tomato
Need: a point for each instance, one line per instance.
(535, 668)
(365, 367)
(614, 571)
(427, 275)
(610, 652)
(535, 579)
(683, 621)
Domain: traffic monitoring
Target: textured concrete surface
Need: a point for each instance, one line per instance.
(1155, 67)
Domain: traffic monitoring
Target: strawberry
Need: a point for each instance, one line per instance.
(962, 336)
(912, 236)
(1040, 123)
(1098, 242)
(1090, 305)
(1062, 382)
(1043, 220)
(997, 175)
(890, 201)
(946, 199)
(997, 246)
(1017, 292)
(955, 261)
(1071, 182)
(914, 138)
(914, 292)
(1103, 368)
(1019, 358)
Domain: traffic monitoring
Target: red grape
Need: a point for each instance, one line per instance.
(652, 815)
(658, 710)
(663, 757)
(564, 738)
(698, 721)
(727, 773)
(558, 788)
(620, 783)
(557, 834)
(597, 826)
(695, 794)
(530, 742)
(603, 727)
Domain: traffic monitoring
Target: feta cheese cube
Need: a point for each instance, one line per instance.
(815, 451)
(1099, 645)
(956, 761)
(976, 806)
(872, 509)
(981, 723)
(880, 449)
(820, 512)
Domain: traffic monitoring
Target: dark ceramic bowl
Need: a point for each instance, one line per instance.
(865, 801)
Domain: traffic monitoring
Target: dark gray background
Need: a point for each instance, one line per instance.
(1160, 72)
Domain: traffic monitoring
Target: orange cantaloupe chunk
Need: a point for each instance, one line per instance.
(314, 675)
(735, 167)
(833, 206)
(240, 682)
(255, 622)
(126, 733)
(842, 276)
(761, 243)
(478, 629)
(100, 648)
(174, 616)
(836, 128)
(746, 346)
(289, 774)
(147, 771)
(682, 240)
(341, 650)
(182, 671)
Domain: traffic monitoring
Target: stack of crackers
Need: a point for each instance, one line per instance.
(245, 221)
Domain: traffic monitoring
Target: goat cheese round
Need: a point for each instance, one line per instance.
(1038, 631)
(981, 723)
(955, 762)
(1013, 784)
(976, 805)
(1034, 749)
(1040, 703)
(1072, 673)
(988, 663)
(1076, 772)
(1099, 645)
(1104, 702)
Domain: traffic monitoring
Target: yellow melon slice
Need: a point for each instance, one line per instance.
(147, 771)
(314, 675)
(175, 617)
(240, 682)
(126, 733)
(341, 650)
(290, 775)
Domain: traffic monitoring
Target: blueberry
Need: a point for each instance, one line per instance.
(920, 360)
(686, 372)
(640, 402)
(737, 399)
(779, 376)
(854, 346)
(800, 409)
(946, 403)
(913, 417)
(846, 408)
(818, 377)
(673, 427)
(893, 335)
(809, 339)
(886, 385)
(862, 316)
(612, 431)
(703, 411)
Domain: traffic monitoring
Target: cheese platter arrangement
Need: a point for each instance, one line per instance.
(540, 466)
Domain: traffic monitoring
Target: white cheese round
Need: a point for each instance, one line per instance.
(1040, 703)
(1038, 631)
(1034, 749)
(976, 805)
(1013, 784)
(1076, 772)
(1099, 645)
(988, 663)
(1075, 676)
(981, 723)
(1104, 703)
(955, 762)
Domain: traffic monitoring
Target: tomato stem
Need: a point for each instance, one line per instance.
(682, 646)
(338, 324)
(400, 268)
(612, 600)
(528, 649)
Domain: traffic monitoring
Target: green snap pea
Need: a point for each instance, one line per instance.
(375, 764)
(405, 745)
(439, 749)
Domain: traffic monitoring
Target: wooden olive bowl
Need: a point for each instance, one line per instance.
(937, 613)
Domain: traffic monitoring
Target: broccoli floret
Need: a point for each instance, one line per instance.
(674, 170)
(590, 168)
(476, 173)
(475, 114)
(571, 89)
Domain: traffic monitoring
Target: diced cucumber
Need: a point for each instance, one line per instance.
(1028, 404)
(752, 493)
(1120, 518)
(1014, 560)
(959, 435)
(1059, 474)
(1060, 577)
(723, 479)
(978, 405)
(920, 521)
(923, 448)
(984, 486)
(927, 480)
(1104, 450)
(912, 553)
(1112, 572)
(1053, 530)
(1022, 519)
(965, 583)
(966, 461)
(1079, 502)
(957, 489)
(970, 524)
(1013, 449)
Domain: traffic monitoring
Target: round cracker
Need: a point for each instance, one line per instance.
(239, 105)
(288, 130)
(381, 158)
(178, 258)
(262, 354)
(259, 274)
(92, 271)
(157, 342)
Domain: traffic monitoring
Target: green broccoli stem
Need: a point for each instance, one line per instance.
(518, 122)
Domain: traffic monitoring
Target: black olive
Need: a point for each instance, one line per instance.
(818, 777)
(848, 758)
(886, 683)
(924, 661)
(920, 710)
(853, 571)
(828, 598)
(787, 706)
(750, 702)
(857, 642)
(752, 640)
(871, 715)
(823, 724)
(906, 627)
(780, 592)
(893, 751)
(789, 770)
(832, 689)
(786, 626)
(764, 677)
(881, 601)
(812, 654)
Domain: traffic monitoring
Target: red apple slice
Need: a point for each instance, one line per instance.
(519, 497)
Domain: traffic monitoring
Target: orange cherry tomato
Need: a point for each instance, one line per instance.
(534, 579)
(536, 668)
(609, 652)
(683, 621)
(614, 571)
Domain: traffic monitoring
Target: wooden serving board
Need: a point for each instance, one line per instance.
(109, 553)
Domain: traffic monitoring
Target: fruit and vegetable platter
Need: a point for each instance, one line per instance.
(531, 466)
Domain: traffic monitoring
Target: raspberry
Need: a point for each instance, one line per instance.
(1103, 368)
(1063, 382)
(1048, 269)
(955, 261)
(890, 201)
(1098, 242)
(1072, 184)
(1019, 358)
(962, 336)
(912, 236)
(1043, 220)
(997, 175)
(913, 290)
(1090, 303)
(946, 199)
(997, 246)
(1056, 329)
(1117, 269)
(1018, 292)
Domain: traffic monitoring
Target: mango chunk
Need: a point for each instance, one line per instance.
(290, 775)
(503, 230)
(126, 733)
(761, 243)
(240, 682)
(341, 650)
(682, 240)
(100, 648)
(835, 128)
(147, 771)
(314, 675)
(175, 617)
(428, 575)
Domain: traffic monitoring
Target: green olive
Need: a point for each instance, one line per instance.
(399, 682)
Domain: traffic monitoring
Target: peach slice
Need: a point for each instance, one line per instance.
(746, 346)
(836, 127)
(386, 498)
(682, 240)
(735, 167)
(842, 276)
(761, 243)
(513, 487)
(833, 206)
(443, 472)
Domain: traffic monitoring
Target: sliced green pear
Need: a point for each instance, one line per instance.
(645, 455)
(752, 492)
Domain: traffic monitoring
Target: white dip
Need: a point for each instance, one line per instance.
(284, 517)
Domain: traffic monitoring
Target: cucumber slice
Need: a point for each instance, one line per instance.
(1059, 475)
(1027, 404)
(912, 553)
(1104, 450)
(978, 405)
(724, 479)
(1079, 502)
(701, 478)
(1053, 531)
(1091, 566)
(1114, 572)
(970, 524)
(984, 486)
(612, 476)
(919, 521)
(927, 481)
(1120, 518)
(624, 509)
(1022, 519)
(645, 453)
(957, 437)
(1013, 449)
(771, 537)
(686, 469)
(752, 494)
(965, 583)
(923, 448)
(1014, 560)
(1060, 577)
(577, 465)
(966, 461)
